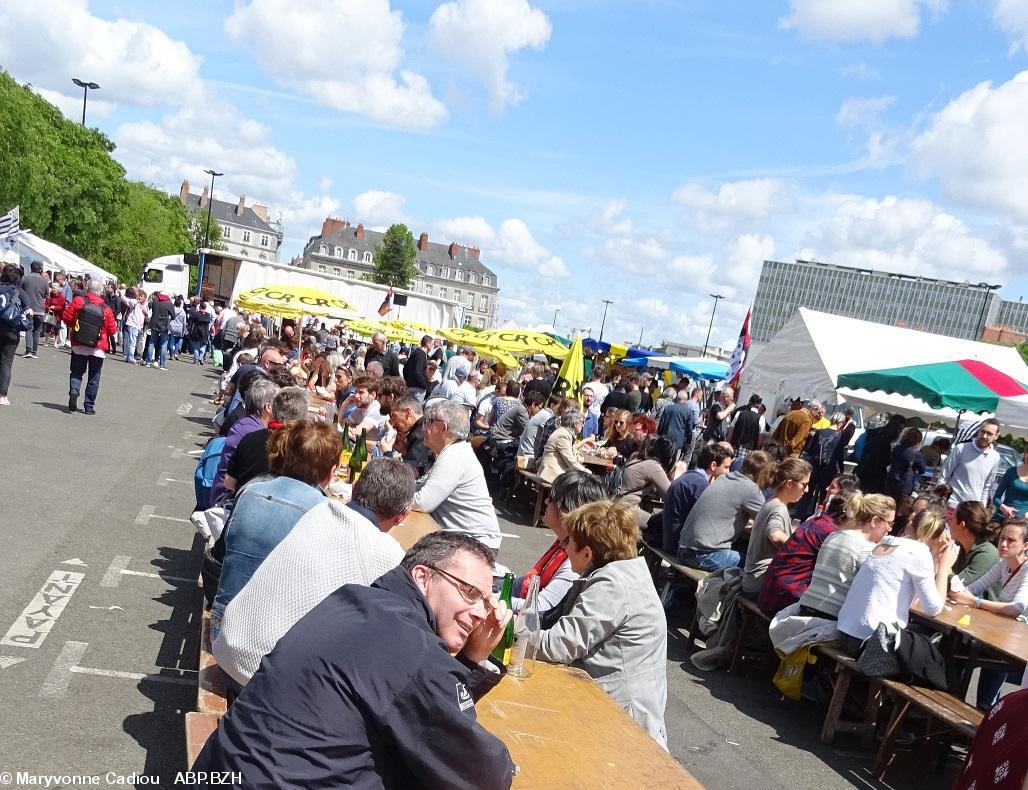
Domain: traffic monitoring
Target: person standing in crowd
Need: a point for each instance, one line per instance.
(848, 428)
(747, 429)
(718, 414)
(162, 310)
(68, 294)
(454, 491)
(176, 329)
(134, 314)
(91, 323)
(10, 331)
(415, 371)
(874, 460)
(36, 288)
(677, 421)
(794, 429)
(379, 353)
(905, 466)
(713, 461)
(200, 332)
(824, 452)
(970, 469)
(112, 296)
(54, 305)
(599, 390)
(617, 398)
(387, 711)
(932, 455)
(231, 324)
(591, 424)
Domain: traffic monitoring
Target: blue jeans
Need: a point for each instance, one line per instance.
(990, 682)
(32, 335)
(710, 560)
(129, 336)
(79, 364)
(175, 345)
(199, 350)
(158, 347)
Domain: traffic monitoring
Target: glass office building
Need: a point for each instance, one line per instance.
(939, 306)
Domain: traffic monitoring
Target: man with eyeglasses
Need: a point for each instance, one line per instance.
(376, 686)
(970, 469)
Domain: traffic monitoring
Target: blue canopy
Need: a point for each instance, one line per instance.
(701, 368)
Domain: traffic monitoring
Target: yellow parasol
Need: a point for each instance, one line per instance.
(457, 335)
(521, 341)
(362, 327)
(569, 381)
(412, 326)
(292, 301)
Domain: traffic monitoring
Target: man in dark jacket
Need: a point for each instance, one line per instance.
(405, 415)
(678, 421)
(376, 686)
(90, 325)
(415, 372)
(874, 461)
(378, 352)
(162, 310)
(37, 288)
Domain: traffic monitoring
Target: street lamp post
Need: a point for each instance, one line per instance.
(86, 88)
(206, 233)
(555, 317)
(706, 342)
(606, 303)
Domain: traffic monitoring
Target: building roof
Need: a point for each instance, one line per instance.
(345, 235)
(225, 213)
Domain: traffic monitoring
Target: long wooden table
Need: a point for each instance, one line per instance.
(1003, 634)
(413, 529)
(564, 732)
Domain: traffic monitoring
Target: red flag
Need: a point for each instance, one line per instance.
(387, 303)
(738, 359)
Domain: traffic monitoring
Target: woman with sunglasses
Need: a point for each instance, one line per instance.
(611, 623)
(618, 440)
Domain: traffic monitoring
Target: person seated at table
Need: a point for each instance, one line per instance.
(642, 426)
(407, 416)
(713, 461)
(611, 623)
(375, 686)
(648, 475)
(898, 570)
(303, 456)
(1011, 574)
(862, 522)
(365, 414)
(537, 417)
(454, 491)
(1011, 497)
(559, 452)
(788, 575)
(331, 545)
(974, 531)
(721, 513)
(772, 525)
(568, 492)
(618, 439)
(260, 394)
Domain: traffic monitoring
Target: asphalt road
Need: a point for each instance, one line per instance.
(95, 677)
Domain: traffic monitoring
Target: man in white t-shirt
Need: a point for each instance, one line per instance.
(970, 469)
(367, 415)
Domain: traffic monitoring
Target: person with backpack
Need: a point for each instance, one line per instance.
(824, 452)
(14, 308)
(176, 329)
(200, 331)
(90, 323)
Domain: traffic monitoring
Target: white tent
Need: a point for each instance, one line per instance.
(56, 258)
(809, 353)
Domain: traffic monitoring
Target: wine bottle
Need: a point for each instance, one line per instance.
(526, 634)
(344, 456)
(359, 456)
(502, 650)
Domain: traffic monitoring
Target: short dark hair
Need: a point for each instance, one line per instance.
(11, 274)
(513, 389)
(575, 488)
(281, 375)
(36, 266)
(534, 398)
(713, 453)
(392, 385)
(991, 421)
(437, 549)
(385, 487)
(370, 383)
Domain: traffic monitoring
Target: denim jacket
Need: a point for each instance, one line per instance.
(264, 513)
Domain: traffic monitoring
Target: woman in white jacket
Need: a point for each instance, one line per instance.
(611, 623)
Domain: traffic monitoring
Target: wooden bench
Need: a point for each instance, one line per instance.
(751, 621)
(655, 559)
(541, 487)
(947, 716)
(199, 727)
(212, 685)
(845, 671)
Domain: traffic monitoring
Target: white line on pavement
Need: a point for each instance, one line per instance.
(163, 481)
(145, 512)
(173, 518)
(59, 677)
(184, 409)
(114, 673)
(166, 576)
(34, 624)
(113, 576)
(10, 661)
(508, 535)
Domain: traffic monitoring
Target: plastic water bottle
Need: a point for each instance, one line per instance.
(526, 634)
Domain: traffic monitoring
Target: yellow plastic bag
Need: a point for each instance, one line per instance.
(789, 677)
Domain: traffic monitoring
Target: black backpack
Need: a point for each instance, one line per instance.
(89, 325)
(11, 308)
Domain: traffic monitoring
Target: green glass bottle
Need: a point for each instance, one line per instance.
(502, 650)
(359, 456)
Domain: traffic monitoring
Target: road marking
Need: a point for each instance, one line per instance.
(184, 409)
(507, 535)
(144, 515)
(166, 576)
(108, 608)
(195, 452)
(10, 661)
(113, 576)
(67, 664)
(35, 622)
(75, 561)
(163, 481)
(173, 518)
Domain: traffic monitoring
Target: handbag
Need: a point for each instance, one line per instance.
(878, 656)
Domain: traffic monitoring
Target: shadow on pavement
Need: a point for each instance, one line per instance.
(52, 406)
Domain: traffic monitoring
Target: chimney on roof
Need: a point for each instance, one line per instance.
(183, 192)
(205, 196)
(261, 210)
(423, 242)
(360, 231)
(332, 225)
(474, 252)
(453, 249)
(241, 205)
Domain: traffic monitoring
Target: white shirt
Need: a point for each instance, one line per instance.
(527, 444)
(455, 493)
(1012, 588)
(970, 472)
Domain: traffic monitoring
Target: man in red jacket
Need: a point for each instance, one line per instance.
(90, 325)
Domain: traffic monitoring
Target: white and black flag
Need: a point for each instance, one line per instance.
(9, 222)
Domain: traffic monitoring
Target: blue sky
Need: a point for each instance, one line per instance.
(649, 152)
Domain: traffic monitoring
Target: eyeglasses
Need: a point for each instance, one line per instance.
(469, 592)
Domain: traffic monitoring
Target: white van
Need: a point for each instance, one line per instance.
(170, 273)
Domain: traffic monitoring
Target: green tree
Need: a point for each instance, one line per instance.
(198, 227)
(1022, 349)
(71, 191)
(153, 223)
(394, 258)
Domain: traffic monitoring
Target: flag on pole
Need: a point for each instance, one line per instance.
(738, 358)
(9, 222)
(568, 383)
(387, 303)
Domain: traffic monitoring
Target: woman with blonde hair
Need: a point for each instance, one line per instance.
(898, 570)
(868, 519)
(773, 524)
(611, 623)
(618, 439)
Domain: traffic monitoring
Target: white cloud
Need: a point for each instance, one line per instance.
(734, 205)
(608, 219)
(861, 72)
(71, 106)
(745, 257)
(325, 183)
(467, 230)
(516, 246)
(628, 254)
(48, 43)
(905, 235)
(481, 34)
(378, 208)
(1012, 18)
(344, 55)
(863, 112)
(857, 20)
(303, 216)
(975, 148)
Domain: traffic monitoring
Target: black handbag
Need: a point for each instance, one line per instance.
(878, 656)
